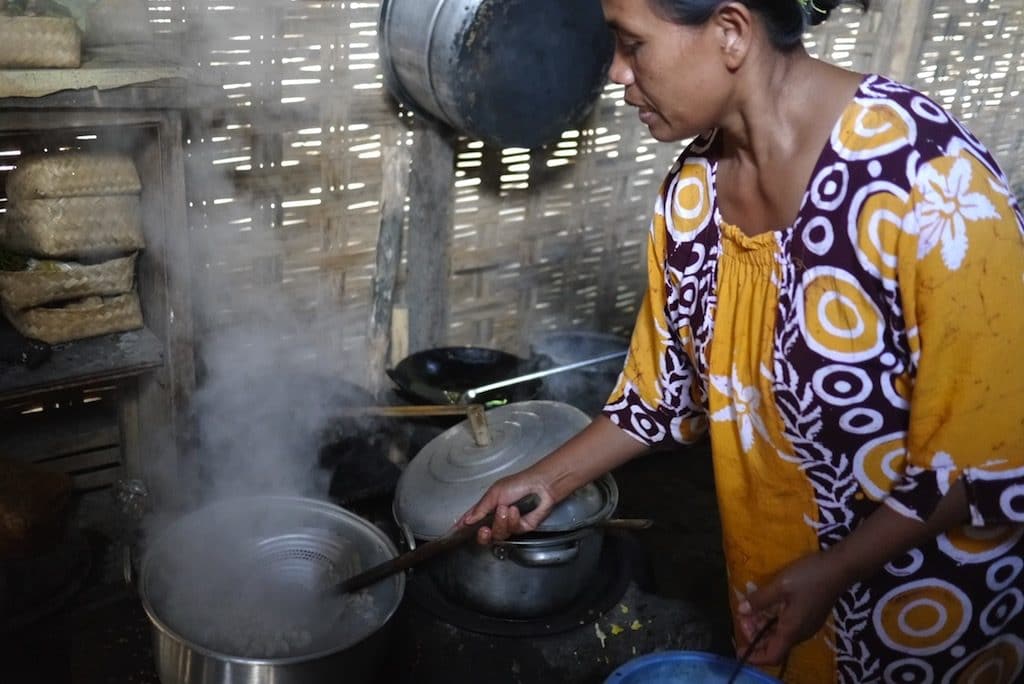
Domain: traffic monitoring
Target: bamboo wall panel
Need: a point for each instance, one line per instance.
(285, 171)
(970, 61)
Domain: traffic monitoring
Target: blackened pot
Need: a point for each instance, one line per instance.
(510, 72)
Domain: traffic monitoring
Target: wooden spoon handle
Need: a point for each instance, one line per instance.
(428, 550)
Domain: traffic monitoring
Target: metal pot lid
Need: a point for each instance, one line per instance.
(451, 472)
(589, 504)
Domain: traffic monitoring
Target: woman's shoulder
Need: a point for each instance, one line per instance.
(895, 129)
(895, 115)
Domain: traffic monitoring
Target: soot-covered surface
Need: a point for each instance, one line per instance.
(530, 68)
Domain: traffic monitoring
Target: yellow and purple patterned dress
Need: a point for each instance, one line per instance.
(867, 355)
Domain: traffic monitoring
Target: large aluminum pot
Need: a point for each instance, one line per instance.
(509, 72)
(235, 593)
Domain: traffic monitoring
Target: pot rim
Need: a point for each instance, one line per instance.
(607, 481)
(158, 623)
(452, 472)
(550, 538)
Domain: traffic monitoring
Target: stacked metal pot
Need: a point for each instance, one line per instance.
(524, 577)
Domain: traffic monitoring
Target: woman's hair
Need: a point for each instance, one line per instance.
(784, 19)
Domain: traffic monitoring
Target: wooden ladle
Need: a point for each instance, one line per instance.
(410, 559)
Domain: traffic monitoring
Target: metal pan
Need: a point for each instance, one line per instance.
(514, 73)
(441, 375)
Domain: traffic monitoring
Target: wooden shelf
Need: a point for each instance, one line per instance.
(151, 372)
(95, 360)
(56, 432)
(116, 76)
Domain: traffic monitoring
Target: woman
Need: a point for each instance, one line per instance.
(835, 295)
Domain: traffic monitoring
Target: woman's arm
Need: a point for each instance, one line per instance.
(656, 360)
(803, 594)
(886, 534)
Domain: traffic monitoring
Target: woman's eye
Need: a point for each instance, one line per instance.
(629, 47)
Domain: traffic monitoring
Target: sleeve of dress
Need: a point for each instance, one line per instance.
(961, 280)
(654, 400)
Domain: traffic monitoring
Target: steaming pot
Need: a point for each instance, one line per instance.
(525, 577)
(264, 552)
(509, 72)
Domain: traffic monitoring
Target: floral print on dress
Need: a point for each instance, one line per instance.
(864, 356)
(743, 408)
(948, 205)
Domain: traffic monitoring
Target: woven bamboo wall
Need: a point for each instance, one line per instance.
(285, 170)
(970, 61)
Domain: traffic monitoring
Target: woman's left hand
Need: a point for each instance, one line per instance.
(801, 596)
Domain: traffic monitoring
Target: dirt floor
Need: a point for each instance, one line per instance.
(676, 489)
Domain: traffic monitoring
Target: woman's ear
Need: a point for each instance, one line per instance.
(734, 25)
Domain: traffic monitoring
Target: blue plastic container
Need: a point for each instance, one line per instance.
(684, 667)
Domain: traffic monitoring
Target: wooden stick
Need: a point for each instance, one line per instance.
(478, 424)
(432, 548)
(408, 411)
(471, 394)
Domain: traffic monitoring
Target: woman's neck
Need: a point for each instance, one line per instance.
(782, 118)
(775, 100)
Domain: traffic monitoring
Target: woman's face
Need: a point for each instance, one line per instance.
(673, 74)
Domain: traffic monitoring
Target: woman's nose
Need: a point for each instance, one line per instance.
(620, 72)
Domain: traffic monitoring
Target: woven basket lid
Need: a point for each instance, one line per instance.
(452, 472)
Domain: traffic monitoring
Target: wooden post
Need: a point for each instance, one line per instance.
(431, 200)
(901, 25)
(394, 187)
(399, 334)
(164, 282)
(129, 428)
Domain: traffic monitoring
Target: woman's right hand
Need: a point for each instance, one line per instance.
(595, 450)
(500, 497)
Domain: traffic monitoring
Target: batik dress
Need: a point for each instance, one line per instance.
(869, 354)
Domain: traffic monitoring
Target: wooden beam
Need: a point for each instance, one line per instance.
(431, 201)
(901, 28)
(160, 401)
(394, 188)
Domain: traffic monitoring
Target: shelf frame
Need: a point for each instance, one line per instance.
(156, 386)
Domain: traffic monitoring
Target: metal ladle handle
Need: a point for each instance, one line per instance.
(471, 394)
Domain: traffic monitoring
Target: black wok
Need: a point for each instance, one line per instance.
(441, 375)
